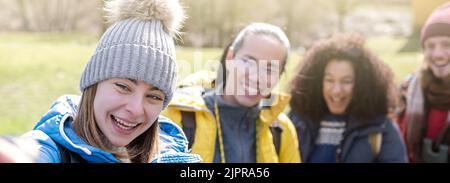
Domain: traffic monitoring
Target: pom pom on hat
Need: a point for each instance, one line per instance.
(169, 12)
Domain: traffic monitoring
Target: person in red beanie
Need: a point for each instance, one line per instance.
(426, 118)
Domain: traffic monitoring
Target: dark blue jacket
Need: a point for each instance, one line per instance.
(355, 146)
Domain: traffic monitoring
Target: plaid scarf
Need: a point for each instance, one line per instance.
(438, 93)
(416, 112)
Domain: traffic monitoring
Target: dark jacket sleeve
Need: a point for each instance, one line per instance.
(393, 149)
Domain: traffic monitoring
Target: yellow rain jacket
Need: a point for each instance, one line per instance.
(206, 129)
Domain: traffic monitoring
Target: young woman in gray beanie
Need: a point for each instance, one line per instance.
(127, 82)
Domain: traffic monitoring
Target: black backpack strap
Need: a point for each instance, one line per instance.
(69, 156)
(188, 125)
(276, 136)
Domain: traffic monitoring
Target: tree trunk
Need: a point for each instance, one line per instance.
(23, 15)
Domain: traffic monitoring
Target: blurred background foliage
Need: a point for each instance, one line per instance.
(44, 44)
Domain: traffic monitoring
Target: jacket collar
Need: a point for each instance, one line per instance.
(57, 124)
(273, 106)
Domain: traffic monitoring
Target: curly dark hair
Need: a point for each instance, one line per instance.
(373, 80)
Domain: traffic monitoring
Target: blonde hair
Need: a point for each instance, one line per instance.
(140, 149)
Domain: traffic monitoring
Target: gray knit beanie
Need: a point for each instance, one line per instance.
(138, 45)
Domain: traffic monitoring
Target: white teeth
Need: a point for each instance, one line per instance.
(250, 89)
(123, 124)
(441, 63)
(123, 127)
(336, 99)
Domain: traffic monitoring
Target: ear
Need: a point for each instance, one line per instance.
(230, 54)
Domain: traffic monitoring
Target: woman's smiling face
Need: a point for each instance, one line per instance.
(437, 55)
(338, 82)
(125, 108)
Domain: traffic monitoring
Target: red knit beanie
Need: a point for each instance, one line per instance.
(437, 24)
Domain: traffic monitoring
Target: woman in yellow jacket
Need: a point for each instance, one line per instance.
(241, 119)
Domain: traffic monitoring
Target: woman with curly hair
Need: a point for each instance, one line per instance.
(340, 104)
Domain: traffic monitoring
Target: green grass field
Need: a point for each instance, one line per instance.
(37, 68)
